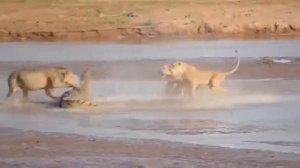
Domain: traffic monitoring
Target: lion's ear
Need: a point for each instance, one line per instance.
(87, 73)
(63, 75)
(179, 63)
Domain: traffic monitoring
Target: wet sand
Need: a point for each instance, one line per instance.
(254, 123)
(35, 149)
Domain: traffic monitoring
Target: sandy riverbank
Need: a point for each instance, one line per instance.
(35, 149)
(141, 20)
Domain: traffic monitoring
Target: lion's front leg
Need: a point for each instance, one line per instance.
(193, 88)
(177, 88)
(169, 88)
(49, 92)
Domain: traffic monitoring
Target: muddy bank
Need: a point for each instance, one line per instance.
(135, 34)
(109, 34)
(35, 149)
(143, 20)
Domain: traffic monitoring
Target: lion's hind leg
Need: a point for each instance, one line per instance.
(215, 84)
(217, 89)
(11, 91)
(13, 86)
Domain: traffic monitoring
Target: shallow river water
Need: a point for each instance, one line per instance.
(252, 113)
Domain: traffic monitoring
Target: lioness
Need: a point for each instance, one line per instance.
(78, 96)
(40, 79)
(194, 77)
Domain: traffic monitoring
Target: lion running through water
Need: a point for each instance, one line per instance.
(182, 76)
(78, 96)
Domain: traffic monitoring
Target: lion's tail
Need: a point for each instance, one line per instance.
(235, 68)
(12, 83)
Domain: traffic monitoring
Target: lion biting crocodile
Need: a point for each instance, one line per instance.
(78, 96)
(40, 79)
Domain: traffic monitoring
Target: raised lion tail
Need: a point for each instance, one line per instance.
(235, 68)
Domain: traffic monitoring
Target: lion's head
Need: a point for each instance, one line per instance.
(165, 70)
(178, 68)
(67, 77)
(175, 69)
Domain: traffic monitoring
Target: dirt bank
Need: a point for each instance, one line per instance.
(135, 20)
(34, 149)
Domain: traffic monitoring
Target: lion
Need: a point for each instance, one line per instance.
(78, 96)
(194, 77)
(41, 79)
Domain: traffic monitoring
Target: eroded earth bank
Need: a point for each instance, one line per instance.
(138, 20)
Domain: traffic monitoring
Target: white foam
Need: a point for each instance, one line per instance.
(282, 61)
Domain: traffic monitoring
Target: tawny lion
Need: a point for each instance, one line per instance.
(40, 79)
(192, 77)
(174, 83)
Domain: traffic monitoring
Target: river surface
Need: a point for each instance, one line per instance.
(253, 113)
(55, 51)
